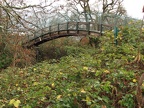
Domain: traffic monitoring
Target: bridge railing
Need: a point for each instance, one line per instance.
(73, 26)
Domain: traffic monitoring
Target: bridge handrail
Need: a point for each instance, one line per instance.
(89, 26)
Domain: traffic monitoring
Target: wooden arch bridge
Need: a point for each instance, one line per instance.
(66, 30)
(66, 26)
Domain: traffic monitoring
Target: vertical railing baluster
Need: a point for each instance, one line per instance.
(58, 29)
(50, 30)
(67, 27)
(77, 27)
(101, 29)
(34, 35)
(97, 26)
(101, 24)
(88, 27)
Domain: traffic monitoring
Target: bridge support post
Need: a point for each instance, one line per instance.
(37, 53)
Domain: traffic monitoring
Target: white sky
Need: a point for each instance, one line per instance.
(134, 8)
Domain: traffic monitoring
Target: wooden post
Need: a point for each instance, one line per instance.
(77, 27)
(58, 28)
(98, 27)
(88, 27)
(67, 27)
(101, 23)
(49, 30)
(101, 29)
(37, 53)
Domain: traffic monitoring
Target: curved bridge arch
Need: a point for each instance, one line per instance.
(64, 30)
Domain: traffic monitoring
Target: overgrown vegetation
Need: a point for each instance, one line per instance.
(81, 77)
(13, 54)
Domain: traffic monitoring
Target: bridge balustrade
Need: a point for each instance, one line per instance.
(63, 29)
(70, 26)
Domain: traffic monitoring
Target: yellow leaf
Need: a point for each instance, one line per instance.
(83, 91)
(85, 68)
(134, 80)
(53, 85)
(88, 99)
(12, 101)
(35, 83)
(107, 71)
(133, 56)
(60, 73)
(34, 69)
(16, 103)
(59, 96)
(18, 88)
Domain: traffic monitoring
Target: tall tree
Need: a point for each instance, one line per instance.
(113, 6)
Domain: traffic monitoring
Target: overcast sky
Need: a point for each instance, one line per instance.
(134, 8)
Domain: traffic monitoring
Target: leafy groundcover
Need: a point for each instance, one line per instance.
(86, 78)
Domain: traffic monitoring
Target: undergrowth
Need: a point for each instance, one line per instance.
(86, 77)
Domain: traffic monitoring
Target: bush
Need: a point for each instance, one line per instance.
(12, 52)
(5, 61)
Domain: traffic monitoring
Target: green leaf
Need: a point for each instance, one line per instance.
(27, 106)
(88, 103)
